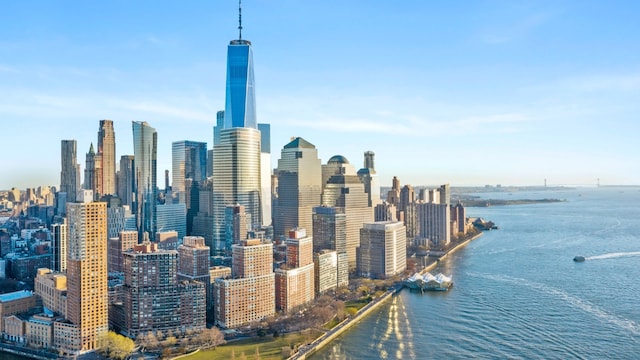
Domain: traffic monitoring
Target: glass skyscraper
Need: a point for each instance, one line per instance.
(237, 150)
(145, 148)
(189, 161)
(240, 104)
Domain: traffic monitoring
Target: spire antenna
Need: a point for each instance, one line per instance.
(240, 19)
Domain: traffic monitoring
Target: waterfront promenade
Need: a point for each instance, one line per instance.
(307, 350)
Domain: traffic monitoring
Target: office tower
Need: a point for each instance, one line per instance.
(330, 232)
(203, 221)
(237, 225)
(265, 173)
(370, 180)
(240, 103)
(145, 148)
(70, 169)
(193, 264)
(393, 196)
(107, 152)
(434, 225)
(172, 217)
(117, 245)
(445, 194)
(153, 299)
(385, 212)
(237, 150)
(383, 250)
(236, 177)
(219, 126)
(325, 264)
(299, 186)
(125, 180)
(345, 191)
(93, 173)
(295, 284)
(87, 305)
(189, 161)
(59, 246)
(250, 295)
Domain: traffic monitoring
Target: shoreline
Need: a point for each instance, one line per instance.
(329, 336)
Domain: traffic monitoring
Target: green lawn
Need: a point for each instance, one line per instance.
(356, 304)
(268, 347)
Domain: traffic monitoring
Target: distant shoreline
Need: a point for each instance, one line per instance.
(501, 202)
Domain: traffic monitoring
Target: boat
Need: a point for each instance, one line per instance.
(579, 258)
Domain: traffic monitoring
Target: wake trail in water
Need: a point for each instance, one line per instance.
(576, 302)
(614, 255)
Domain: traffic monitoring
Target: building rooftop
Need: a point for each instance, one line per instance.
(338, 159)
(15, 295)
(299, 143)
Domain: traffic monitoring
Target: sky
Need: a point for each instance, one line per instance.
(459, 92)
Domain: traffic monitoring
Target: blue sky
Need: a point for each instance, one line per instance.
(460, 92)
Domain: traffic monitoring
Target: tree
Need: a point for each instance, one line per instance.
(116, 346)
(211, 337)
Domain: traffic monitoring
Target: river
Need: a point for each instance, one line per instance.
(518, 294)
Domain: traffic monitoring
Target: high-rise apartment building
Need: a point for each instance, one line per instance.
(153, 299)
(435, 228)
(193, 263)
(295, 284)
(145, 149)
(125, 180)
(70, 169)
(87, 303)
(299, 186)
(125, 241)
(59, 246)
(383, 250)
(107, 152)
(250, 295)
(345, 191)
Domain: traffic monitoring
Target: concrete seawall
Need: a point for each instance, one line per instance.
(342, 327)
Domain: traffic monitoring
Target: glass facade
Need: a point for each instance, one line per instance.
(145, 149)
(236, 178)
(240, 104)
(189, 161)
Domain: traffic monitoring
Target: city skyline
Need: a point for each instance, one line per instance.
(489, 93)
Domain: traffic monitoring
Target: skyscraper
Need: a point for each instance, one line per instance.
(145, 148)
(383, 250)
(345, 191)
(369, 178)
(70, 169)
(299, 186)
(189, 161)
(93, 173)
(240, 103)
(107, 151)
(87, 303)
(237, 150)
(125, 179)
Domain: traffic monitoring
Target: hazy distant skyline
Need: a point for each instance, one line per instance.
(467, 93)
